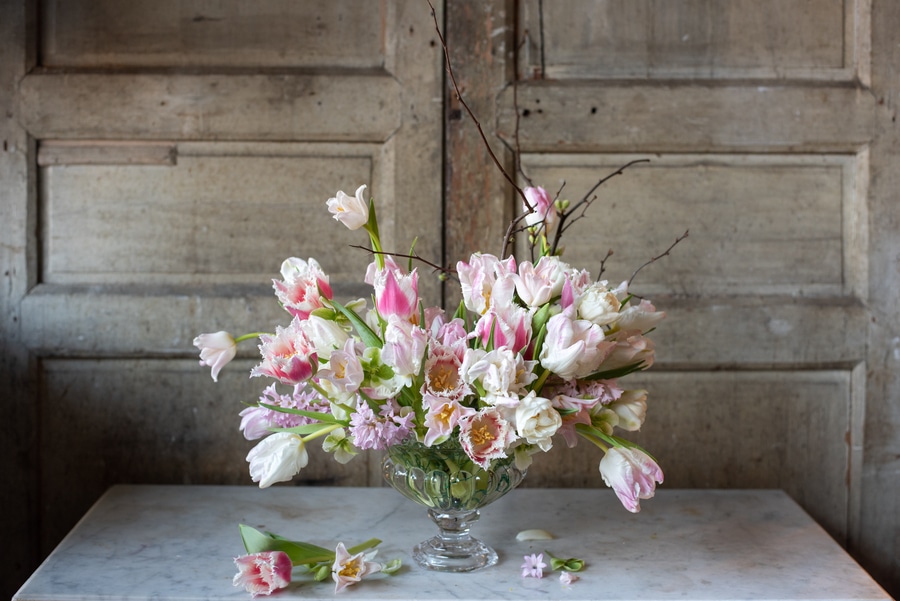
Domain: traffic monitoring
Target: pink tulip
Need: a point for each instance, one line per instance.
(632, 474)
(216, 351)
(263, 573)
(396, 292)
(541, 206)
(287, 356)
(485, 435)
(303, 287)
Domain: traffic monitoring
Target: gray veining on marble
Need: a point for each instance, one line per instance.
(176, 543)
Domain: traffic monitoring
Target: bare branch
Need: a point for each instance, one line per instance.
(465, 105)
(609, 253)
(587, 199)
(658, 257)
(447, 271)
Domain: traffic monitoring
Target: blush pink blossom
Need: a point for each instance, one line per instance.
(263, 573)
(478, 277)
(540, 208)
(630, 347)
(350, 569)
(396, 292)
(573, 348)
(303, 287)
(485, 435)
(632, 474)
(287, 356)
(216, 351)
(510, 326)
(534, 566)
(404, 346)
(442, 416)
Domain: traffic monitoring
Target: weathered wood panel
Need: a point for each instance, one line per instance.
(127, 106)
(18, 429)
(792, 225)
(822, 39)
(175, 33)
(221, 214)
(154, 421)
(788, 430)
(877, 542)
(691, 117)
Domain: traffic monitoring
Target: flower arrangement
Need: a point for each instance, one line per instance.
(535, 352)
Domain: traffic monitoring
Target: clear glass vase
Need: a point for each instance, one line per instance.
(453, 488)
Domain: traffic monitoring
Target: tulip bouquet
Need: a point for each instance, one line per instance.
(536, 352)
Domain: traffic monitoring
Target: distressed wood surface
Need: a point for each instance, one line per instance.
(18, 368)
(152, 106)
(759, 224)
(876, 543)
(178, 154)
(170, 33)
(802, 445)
(649, 39)
(690, 117)
(477, 197)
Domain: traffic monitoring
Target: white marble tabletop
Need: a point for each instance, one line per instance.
(176, 543)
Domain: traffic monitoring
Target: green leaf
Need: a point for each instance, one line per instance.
(372, 542)
(299, 552)
(619, 372)
(325, 418)
(572, 564)
(369, 337)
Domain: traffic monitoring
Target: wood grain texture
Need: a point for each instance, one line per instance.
(652, 39)
(151, 106)
(478, 200)
(665, 117)
(18, 368)
(168, 33)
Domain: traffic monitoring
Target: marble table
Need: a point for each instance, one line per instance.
(176, 543)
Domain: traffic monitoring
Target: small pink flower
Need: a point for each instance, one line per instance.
(509, 324)
(263, 573)
(303, 287)
(480, 275)
(541, 206)
(287, 356)
(632, 474)
(350, 569)
(567, 578)
(630, 347)
(573, 348)
(404, 346)
(442, 416)
(485, 435)
(216, 350)
(396, 292)
(534, 566)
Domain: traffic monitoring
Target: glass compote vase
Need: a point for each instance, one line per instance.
(453, 488)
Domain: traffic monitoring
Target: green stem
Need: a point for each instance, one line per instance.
(249, 336)
(320, 433)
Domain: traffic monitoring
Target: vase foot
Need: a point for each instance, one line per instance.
(454, 556)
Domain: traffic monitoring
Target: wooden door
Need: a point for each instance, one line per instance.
(770, 129)
(160, 160)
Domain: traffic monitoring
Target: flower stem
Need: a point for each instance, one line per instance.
(249, 336)
(319, 433)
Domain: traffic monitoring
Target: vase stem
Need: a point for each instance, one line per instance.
(453, 549)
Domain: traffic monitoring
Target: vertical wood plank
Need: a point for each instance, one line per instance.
(877, 543)
(18, 428)
(481, 41)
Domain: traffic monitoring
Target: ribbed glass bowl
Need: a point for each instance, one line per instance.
(443, 479)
